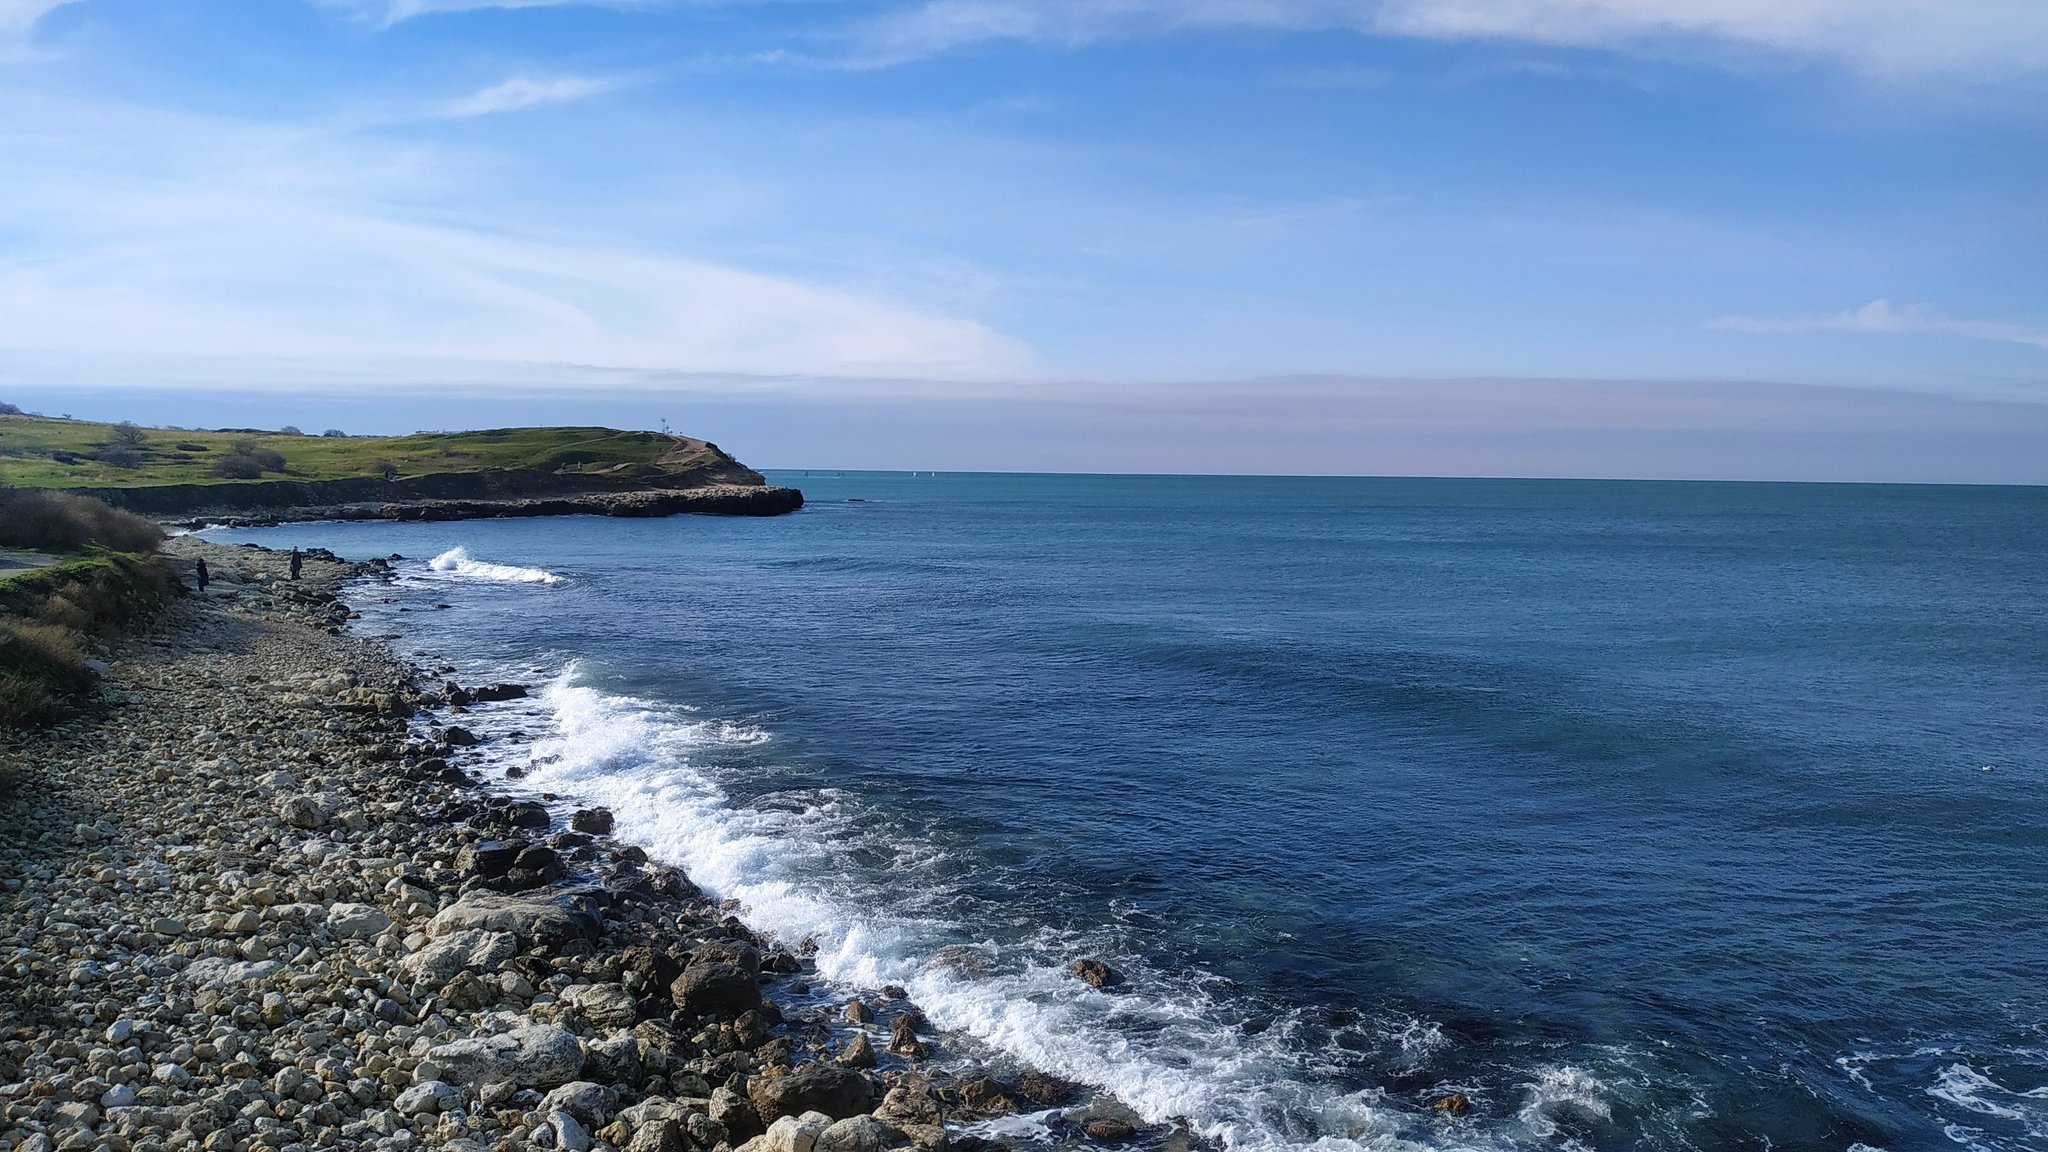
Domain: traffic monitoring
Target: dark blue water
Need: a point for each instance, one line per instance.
(1645, 815)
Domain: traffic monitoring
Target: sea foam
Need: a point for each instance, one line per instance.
(1163, 1046)
(457, 562)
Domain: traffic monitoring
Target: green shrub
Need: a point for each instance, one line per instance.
(238, 466)
(65, 522)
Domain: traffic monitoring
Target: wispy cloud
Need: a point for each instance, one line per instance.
(1980, 38)
(385, 13)
(523, 92)
(1882, 316)
(166, 235)
(18, 17)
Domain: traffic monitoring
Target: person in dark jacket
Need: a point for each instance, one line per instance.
(200, 570)
(296, 561)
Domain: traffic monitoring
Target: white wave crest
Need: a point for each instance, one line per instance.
(780, 857)
(458, 562)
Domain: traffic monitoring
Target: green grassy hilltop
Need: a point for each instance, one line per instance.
(42, 452)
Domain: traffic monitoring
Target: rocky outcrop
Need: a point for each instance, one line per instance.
(204, 506)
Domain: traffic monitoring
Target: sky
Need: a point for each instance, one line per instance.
(1798, 239)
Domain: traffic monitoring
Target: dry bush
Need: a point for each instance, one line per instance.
(25, 702)
(64, 522)
(42, 666)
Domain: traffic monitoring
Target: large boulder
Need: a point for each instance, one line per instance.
(537, 1056)
(793, 1133)
(911, 1103)
(356, 920)
(467, 951)
(837, 1092)
(488, 858)
(588, 1102)
(533, 921)
(720, 980)
(858, 1134)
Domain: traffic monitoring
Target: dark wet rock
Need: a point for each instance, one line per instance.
(492, 693)
(1095, 973)
(459, 737)
(716, 986)
(837, 1092)
(735, 1113)
(1106, 1121)
(487, 858)
(858, 1053)
(596, 821)
(895, 992)
(527, 814)
(986, 1097)
(1454, 1104)
(903, 1039)
(961, 961)
(1045, 1089)
(911, 1104)
(656, 967)
(859, 1013)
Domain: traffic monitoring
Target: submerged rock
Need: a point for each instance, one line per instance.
(1095, 973)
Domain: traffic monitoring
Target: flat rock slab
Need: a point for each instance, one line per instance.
(537, 1056)
(532, 921)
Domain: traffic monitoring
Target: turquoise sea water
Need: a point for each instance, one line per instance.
(1645, 815)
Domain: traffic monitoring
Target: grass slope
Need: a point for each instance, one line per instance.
(42, 452)
(51, 618)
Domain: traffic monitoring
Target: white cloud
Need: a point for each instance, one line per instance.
(1883, 37)
(1882, 316)
(522, 92)
(159, 235)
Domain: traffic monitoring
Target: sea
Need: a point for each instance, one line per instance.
(1640, 815)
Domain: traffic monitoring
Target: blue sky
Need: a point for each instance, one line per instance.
(1054, 210)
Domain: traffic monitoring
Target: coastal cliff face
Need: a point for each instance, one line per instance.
(725, 487)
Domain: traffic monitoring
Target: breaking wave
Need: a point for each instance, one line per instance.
(457, 562)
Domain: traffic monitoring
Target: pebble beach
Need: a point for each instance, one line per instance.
(250, 899)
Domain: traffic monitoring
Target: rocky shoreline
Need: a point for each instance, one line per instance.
(252, 900)
(712, 500)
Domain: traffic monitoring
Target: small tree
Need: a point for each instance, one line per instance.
(9, 409)
(386, 469)
(119, 456)
(334, 434)
(127, 432)
(290, 430)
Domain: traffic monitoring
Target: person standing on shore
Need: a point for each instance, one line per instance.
(297, 560)
(200, 571)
